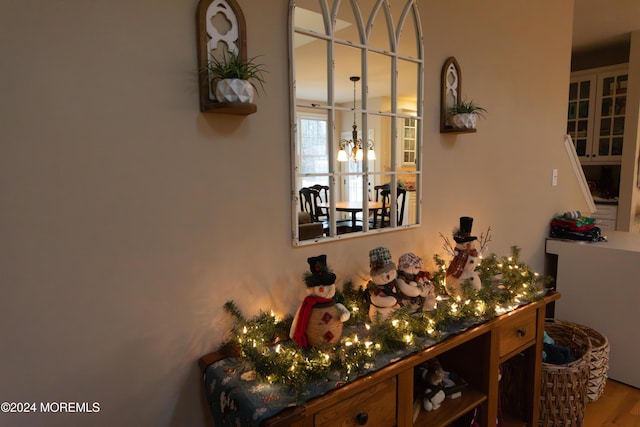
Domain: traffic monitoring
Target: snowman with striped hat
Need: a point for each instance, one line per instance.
(414, 283)
(383, 292)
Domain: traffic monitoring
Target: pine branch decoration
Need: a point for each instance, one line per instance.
(263, 340)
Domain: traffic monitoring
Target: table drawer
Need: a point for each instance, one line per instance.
(376, 406)
(517, 331)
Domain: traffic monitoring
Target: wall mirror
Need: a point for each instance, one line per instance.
(356, 117)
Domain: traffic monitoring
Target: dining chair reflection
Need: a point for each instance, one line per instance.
(382, 218)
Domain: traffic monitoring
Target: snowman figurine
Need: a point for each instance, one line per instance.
(434, 395)
(465, 260)
(383, 293)
(413, 284)
(318, 321)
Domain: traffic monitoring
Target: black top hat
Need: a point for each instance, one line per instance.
(464, 234)
(319, 274)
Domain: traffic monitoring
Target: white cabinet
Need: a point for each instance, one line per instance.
(599, 286)
(596, 113)
(413, 208)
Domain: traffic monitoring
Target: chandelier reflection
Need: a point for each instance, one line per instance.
(354, 147)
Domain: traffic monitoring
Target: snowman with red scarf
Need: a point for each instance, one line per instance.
(466, 258)
(318, 321)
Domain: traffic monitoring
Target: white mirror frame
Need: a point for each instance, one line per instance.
(409, 12)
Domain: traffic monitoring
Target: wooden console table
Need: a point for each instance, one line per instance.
(386, 397)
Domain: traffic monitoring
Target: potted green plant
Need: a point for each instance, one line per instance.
(464, 115)
(235, 79)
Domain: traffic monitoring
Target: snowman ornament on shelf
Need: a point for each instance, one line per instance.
(318, 321)
(383, 293)
(466, 258)
(413, 283)
(433, 377)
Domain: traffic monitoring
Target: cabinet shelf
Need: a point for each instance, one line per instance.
(511, 421)
(451, 409)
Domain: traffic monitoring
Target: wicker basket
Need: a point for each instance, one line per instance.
(599, 363)
(564, 387)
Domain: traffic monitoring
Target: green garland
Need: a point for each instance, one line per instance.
(263, 341)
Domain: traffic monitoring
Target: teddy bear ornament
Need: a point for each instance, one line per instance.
(318, 320)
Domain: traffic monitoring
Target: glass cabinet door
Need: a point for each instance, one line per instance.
(612, 102)
(596, 114)
(580, 114)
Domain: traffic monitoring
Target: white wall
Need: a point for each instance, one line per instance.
(128, 218)
(629, 208)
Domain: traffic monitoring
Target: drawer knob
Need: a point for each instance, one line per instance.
(522, 332)
(362, 418)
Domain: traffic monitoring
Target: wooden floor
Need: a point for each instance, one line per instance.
(619, 406)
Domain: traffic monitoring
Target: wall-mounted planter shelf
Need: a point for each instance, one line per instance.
(451, 88)
(456, 130)
(220, 25)
(238, 108)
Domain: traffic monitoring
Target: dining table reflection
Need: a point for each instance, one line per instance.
(353, 208)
